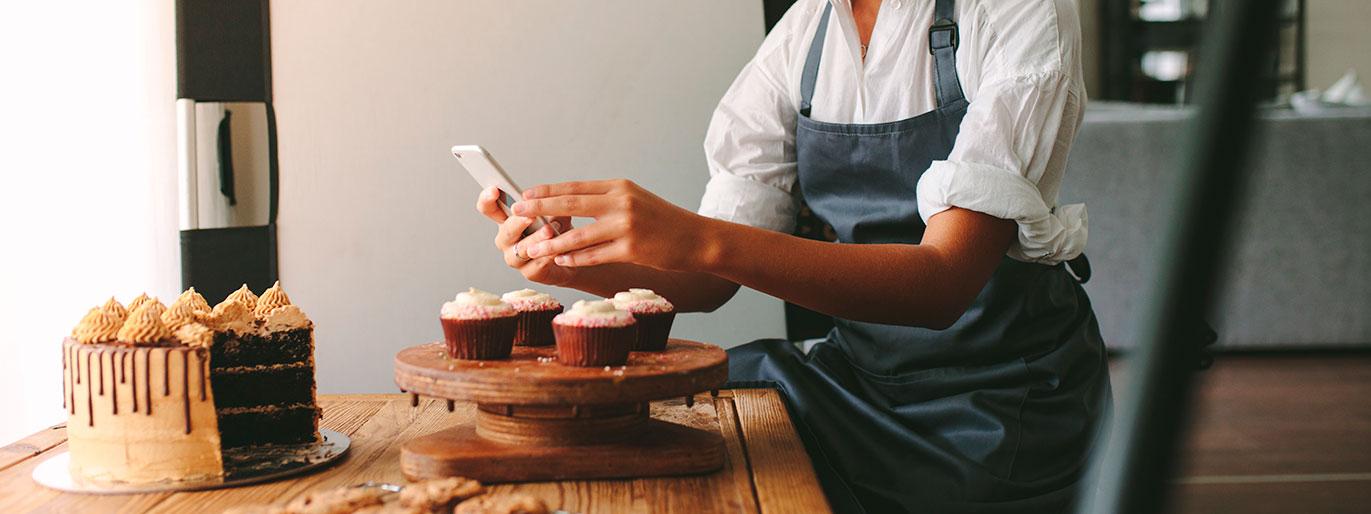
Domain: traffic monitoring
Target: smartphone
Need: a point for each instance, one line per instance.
(482, 167)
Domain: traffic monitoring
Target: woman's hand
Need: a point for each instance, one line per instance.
(631, 226)
(514, 246)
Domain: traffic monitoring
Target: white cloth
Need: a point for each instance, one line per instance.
(1019, 66)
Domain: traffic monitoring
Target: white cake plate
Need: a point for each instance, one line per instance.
(242, 466)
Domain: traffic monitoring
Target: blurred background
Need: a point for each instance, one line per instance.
(151, 145)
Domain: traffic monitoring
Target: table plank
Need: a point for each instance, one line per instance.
(380, 424)
(784, 477)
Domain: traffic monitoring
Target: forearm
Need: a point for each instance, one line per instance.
(902, 284)
(689, 292)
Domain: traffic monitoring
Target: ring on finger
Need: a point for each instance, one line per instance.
(518, 254)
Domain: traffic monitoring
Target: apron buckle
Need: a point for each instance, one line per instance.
(943, 34)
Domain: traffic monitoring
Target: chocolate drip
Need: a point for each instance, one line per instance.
(185, 386)
(133, 391)
(123, 366)
(201, 373)
(76, 378)
(166, 373)
(100, 361)
(147, 380)
(113, 386)
(90, 396)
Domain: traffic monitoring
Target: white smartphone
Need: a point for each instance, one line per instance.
(488, 173)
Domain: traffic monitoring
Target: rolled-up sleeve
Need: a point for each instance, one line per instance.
(750, 147)
(1009, 157)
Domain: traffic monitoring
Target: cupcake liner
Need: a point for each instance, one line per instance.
(479, 339)
(534, 328)
(594, 346)
(653, 330)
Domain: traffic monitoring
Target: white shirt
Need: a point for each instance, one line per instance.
(1019, 67)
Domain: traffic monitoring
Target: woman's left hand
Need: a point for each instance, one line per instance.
(631, 225)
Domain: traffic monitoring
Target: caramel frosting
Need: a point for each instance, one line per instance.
(287, 317)
(272, 298)
(145, 326)
(195, 334)
(182, 313)
(231, 316)
(115, 309)
(138, 301)
(98, 326)
(196, 301)
(245, 295)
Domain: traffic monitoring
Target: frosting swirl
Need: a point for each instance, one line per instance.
(97, 326)
(476, 304)
(272, 298)
(528, 300)
(183, 313)
(245, 295)
(195, 299)
(594, 313)
(288, 317)
(113, 308)
(137, 302)
(144, 325)
(231, 316)
(641, 301)
(195, 334)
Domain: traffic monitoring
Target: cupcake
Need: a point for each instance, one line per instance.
(478, 325)
(536, 310)
(654, 315)
(594, 334)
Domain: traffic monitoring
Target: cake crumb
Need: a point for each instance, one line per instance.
(502, 504)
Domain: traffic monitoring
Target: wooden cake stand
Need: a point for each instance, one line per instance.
(539, 420)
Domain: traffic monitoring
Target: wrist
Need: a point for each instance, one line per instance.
(711, 243)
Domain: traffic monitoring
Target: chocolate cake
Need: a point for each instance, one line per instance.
(156, 393)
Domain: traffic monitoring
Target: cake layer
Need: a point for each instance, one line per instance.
(250, 426)
(233, 350)
(140, 414)
(271, 384)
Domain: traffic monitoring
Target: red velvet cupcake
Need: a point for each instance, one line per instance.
(654, 315)
(477, 325)
(536, 310)
(594, 334)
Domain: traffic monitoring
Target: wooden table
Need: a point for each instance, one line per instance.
(766, 468)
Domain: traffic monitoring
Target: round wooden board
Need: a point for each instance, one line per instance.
(531, 376)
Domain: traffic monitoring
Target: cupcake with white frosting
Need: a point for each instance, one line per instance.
(478, 325)
(536, 310)
(654, 315)
(594, 333)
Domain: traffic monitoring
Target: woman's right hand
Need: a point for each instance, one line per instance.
(510, 240)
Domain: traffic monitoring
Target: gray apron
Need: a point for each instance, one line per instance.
(993, 414)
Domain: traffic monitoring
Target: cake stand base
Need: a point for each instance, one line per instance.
(656, 448)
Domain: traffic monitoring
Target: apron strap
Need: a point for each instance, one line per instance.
(811, 69)
(942, 43)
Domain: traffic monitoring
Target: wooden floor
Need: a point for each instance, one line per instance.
(1278, 434)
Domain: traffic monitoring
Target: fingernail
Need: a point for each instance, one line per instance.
(529, 194)
(518, 208)
(534, 251)
(561, 260)
(557, 225)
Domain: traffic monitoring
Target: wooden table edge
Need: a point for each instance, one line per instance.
(769, 443)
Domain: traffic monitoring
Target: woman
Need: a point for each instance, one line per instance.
(965, 372)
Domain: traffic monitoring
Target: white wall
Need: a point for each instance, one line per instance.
(1338, 39)
(87, 182)
(377, 226)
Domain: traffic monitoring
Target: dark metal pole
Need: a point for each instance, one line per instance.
(1130, 473)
